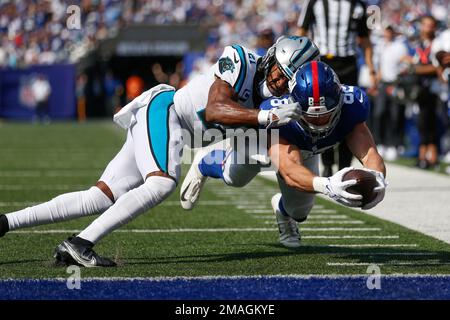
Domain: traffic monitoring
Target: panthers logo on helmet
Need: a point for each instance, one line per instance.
(226, 64)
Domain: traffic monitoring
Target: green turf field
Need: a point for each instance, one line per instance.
(231, 232)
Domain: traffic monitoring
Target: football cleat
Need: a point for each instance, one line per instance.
(4, 226)
(289, 235)
(69, 253)
(193, 182)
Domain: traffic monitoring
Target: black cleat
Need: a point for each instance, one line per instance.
(77, 251)
(4, 225)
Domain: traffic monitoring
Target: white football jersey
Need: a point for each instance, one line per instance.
(237, 66)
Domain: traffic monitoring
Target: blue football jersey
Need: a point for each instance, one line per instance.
(355, 109)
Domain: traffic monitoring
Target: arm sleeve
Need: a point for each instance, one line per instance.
(306, 17)
(231, 66)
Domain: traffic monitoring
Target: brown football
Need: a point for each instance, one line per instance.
(366, 182)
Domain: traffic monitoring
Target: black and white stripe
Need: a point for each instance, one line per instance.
(335, 24)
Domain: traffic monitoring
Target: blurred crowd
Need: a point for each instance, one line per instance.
(36, 32)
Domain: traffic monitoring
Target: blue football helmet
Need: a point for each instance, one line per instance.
(316, 87)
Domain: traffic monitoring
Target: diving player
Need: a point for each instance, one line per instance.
(147, 168)
(331, 112)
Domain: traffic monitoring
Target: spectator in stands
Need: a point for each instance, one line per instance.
(421, 66)
(440, 52)
(388, 112)
(113, 90)
(41, 90)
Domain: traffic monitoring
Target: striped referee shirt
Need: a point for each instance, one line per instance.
(335, 24)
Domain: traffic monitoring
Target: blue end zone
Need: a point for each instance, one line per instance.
(239, 288)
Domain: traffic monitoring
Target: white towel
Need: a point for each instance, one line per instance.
(125, 117)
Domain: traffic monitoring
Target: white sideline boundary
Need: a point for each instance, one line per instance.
(425, 209)
(238, 277)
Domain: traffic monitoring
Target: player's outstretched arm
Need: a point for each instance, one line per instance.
(223, 108)
(362, 145)
(288, 159)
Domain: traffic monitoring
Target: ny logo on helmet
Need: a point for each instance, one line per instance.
(226, 64)
(313, 103)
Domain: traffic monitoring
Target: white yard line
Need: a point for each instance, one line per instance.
(254, 208)
(351, 237)
(418, 254)
(17, 204)
(412, 263)
(351, 229)
(313, 211)
(155, 230)
(49, 173)
(50, 231)
(327, 216)
(324, 222)
(377, 245)
(311, 217)
(59, 187)
(269, 212)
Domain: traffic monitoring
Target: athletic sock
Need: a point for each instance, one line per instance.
(211, 164)
(282, 209)
(64, 207)
(81, 241)
(130, 205)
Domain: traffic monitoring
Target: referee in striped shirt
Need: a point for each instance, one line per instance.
(338, 27)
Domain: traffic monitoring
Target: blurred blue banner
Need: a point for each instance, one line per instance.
(44, 91)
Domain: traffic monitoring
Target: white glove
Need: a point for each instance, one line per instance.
(335, 188)
(279, 116)
(380, 189)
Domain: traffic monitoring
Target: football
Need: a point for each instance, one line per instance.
(366, 182)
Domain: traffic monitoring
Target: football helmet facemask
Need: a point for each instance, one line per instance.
(316, 87)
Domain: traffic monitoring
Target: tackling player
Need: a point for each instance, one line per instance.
(147, 168)
(331, 113)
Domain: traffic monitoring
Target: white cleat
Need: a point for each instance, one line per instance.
(192, 183)
(289, 235)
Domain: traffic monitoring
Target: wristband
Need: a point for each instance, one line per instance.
(263, 117)
(319, 184)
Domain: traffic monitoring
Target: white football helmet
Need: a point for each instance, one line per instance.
(289, 53)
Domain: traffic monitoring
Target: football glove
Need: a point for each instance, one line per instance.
(335, 188)
(380, 189)
(279, 116)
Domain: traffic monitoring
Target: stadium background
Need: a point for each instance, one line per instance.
(58, 77)
(98, 55)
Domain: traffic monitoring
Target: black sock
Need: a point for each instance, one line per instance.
(82, 242)
(4, 225)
